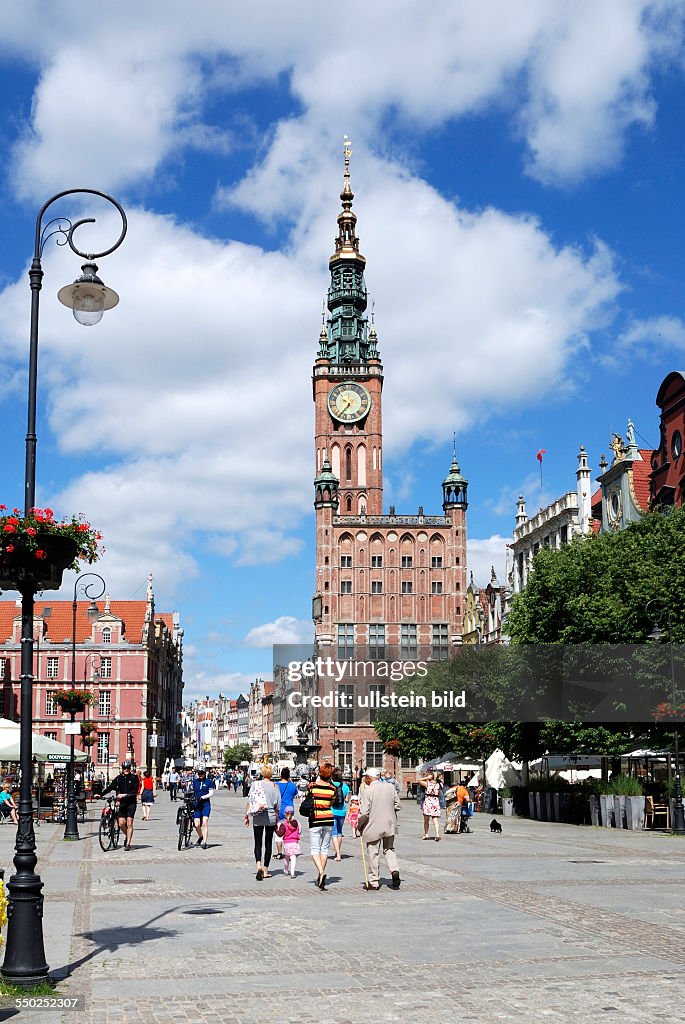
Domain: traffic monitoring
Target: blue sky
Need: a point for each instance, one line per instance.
(518, 186)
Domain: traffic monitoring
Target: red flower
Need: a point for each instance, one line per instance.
(2, 508)
(10, 548)
(40, 553)
(31, 530)
(9, 528)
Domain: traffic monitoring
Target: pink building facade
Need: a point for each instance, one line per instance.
(127, 654)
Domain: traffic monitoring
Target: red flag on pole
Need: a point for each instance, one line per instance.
(543, 451)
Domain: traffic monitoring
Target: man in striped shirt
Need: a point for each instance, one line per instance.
(321, 821)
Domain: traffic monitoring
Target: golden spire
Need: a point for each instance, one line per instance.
(347, 243)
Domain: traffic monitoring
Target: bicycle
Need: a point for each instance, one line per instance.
(184, 820)
(109, 831)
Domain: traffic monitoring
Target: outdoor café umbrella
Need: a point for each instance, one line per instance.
(42, 749)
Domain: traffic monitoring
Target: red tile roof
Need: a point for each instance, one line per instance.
(59, 620)
(596, 504)
(641, 475)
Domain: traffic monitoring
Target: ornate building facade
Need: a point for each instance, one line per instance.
(126, 652)
(387, 585)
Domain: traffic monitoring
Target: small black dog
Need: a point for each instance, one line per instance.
(495, 826)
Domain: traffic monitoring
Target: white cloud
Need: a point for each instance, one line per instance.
(284, 630)
(120, 101)
(485, 554)
(653, 334)
(192, 401)
(200, 684)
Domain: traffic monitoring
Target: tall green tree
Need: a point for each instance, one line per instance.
(595, 589)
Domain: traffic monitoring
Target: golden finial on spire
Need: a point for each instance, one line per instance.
(373, 311)
(323, 310)
(347, 150)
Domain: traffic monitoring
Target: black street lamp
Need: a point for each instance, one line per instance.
(657, 634)
(24, 962)
(91, 590)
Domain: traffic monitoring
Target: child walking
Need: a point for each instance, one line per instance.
(353, 814)
(289, 832)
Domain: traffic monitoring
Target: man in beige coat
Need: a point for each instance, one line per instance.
(381, 803)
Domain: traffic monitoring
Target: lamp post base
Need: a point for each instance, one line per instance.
(678, 823)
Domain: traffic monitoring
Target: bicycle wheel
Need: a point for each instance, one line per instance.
(116, 832)
(105, 833)
(181, 832)
(189, 831)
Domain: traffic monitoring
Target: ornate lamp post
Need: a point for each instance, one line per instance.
(660, 607)
(24, 961)
(92, 590)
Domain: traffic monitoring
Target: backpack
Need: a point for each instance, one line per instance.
(338, 801)
(256, 798)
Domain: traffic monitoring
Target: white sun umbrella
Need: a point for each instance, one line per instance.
(42, 749)
(499, 771)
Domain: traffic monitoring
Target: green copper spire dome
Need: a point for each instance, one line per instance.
(326, 485)
(347, 337)
(454, 486)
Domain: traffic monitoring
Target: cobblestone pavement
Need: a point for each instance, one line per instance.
(546, 922)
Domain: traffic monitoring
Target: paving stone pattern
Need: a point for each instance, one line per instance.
(545, 923)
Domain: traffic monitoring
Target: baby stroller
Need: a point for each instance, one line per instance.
(464, 816)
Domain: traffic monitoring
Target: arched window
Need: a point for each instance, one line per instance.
(348, 463)
(106, 635)
(349, 503)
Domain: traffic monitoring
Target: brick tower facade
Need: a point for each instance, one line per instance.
(387, 586)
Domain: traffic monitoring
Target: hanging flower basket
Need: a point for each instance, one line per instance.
(392, 748)
(36, 549)
(72, 701)
(88, 741)
(88, 728)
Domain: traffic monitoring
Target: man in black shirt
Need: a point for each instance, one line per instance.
(125, 787)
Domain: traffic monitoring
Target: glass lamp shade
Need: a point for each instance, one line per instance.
(88, 297)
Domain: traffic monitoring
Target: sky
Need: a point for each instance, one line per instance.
(518, 179)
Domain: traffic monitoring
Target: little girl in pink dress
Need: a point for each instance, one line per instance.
(353, 814)
(289, 830)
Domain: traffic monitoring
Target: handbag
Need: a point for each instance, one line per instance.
(307, 805)
(256, 799)
(362, 822)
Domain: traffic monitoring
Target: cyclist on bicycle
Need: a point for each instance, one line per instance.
(202, 790)
(125, 787)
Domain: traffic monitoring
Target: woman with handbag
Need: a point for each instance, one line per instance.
(263, 801)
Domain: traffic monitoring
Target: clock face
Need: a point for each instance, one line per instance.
(349, 402)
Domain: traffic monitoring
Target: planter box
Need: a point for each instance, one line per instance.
(635, 813)
(619, 811)
(21, 569)
(606, 809)
(507, 806)
(593, 801)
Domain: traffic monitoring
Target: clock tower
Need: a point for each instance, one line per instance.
(388, 586)
(348, 375)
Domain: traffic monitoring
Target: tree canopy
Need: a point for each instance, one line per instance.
(595, 589)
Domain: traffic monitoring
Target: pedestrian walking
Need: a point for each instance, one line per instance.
(202, 790)
(288, 791)
(173, 784)
(263, 801)
(288, 829)
(379, 805)
(353, 814)
(430, 806)
(147, 794)
(339, 812)
(321, 821)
